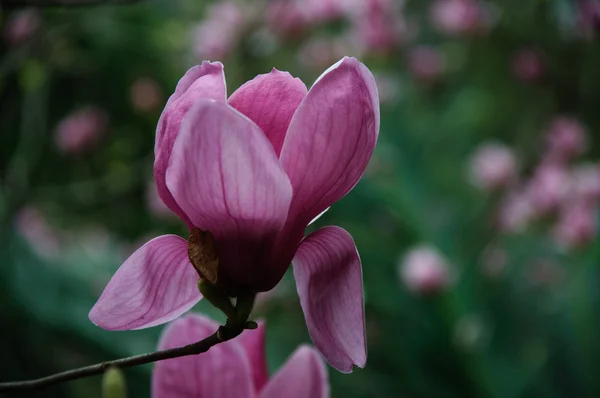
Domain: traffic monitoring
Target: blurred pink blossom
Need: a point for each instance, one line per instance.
(457, 17)
(320, 11)
(31, 224)
(146, 94)
(319, 52)
(516, 212)
(20, 26)
(588, 17)
(576, 225)
(566, 138)
(286, 17)
(585, 182)
(549, 187)
(217, 35)
(528, 65)
(81, 130)
(379, 25)
(426, 63)
(492, 166)
(424, 271)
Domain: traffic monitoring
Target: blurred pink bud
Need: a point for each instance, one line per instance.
(492, 166)
(81, 130)
(20, 26)
(379, 25)
(318, 53)
(426, 63)
(585, 182)
(588, 17)
(286, 17)
(566, 138)
(155, 204)
(549, 187)
(527, 65)
(31, 224)
(320, 11)
(424, 271)
(217, 35)
(457, 17)
(146, 94)
(576, 225)
(516, 212)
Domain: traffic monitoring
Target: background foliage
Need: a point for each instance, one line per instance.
(527, 327)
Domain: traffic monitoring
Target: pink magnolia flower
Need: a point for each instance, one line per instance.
(424, 271)
(516, 212)
(254, 170)
(566, 138)
(549, 187)
(588, 17)
(527, 65)
(379, 25)
(458, 17)
(220, 32)
(493, 166)
(286, 17)
(585, 182)
(234, 369)
(426, 63)
(81, 130)
(31, 224)
(576, 225)
(20, 26)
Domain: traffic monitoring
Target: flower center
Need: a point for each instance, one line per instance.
(203, 254)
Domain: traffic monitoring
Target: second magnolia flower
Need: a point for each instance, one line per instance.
(254, 170)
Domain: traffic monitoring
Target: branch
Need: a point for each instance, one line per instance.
(220, 336)
(62, 3)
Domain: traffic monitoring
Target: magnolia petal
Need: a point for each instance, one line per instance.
(223, 371)
(270, 101)
(156, 284)
(201, 81)
(302, 376)
(226, 177)
(253, 342)
(331, 138)
(329, 281)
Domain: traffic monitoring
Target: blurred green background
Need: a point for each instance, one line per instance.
(503, 304)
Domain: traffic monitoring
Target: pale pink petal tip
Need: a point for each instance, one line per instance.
(156, 284)
(303, 375)
(329, 281)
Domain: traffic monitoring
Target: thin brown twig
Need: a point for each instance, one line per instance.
(221, 335)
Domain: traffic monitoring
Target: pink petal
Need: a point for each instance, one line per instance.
(223, 371)
(156, 284)
(270, 101)
(331, 138)
(302, 376)
(253, 342)
(329, 282)
(226, 177)
(201, 81)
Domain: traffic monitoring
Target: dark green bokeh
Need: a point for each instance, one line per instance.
(485, 337)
